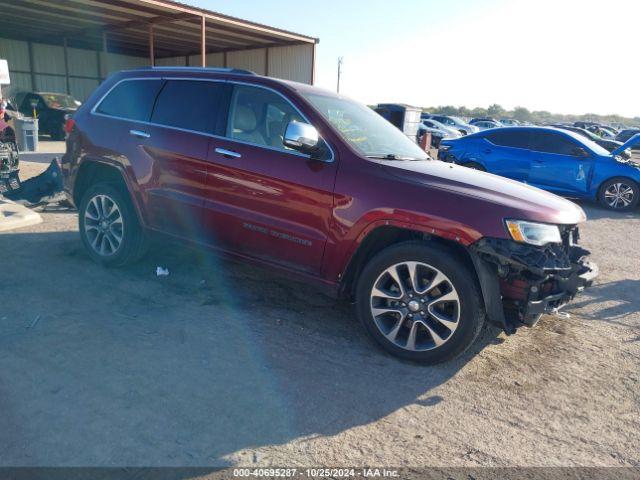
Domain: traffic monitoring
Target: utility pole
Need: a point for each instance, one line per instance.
(339, 72)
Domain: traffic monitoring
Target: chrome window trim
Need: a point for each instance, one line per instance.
(94, 111)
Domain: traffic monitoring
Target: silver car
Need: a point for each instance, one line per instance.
(486, 125)
(455, 123)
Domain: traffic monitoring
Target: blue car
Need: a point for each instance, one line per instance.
(556, 160)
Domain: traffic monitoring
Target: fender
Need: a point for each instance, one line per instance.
(485, 272)
(438, 227)
(126, 174)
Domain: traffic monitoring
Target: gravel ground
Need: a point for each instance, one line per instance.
(225, 364)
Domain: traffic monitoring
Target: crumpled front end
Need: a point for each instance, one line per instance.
(530, 280)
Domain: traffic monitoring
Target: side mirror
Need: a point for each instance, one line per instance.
(301, 137)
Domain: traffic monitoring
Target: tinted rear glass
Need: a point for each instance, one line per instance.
(510, 138)
(131, 99)
(192, 105)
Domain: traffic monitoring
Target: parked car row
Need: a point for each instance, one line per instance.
(318, 186)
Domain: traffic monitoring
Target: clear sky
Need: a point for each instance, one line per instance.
(564, 56)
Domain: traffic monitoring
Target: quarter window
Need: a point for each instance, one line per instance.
(260, 117)
(187, 104)
(131, 99)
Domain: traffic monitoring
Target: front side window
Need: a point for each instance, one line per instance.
(260, 117)
(551, 142)
(364, 129)
(131, 99)
(188, 104)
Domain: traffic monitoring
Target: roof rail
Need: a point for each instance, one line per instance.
(237, 71)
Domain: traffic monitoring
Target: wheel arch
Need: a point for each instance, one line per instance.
(384, 236)
(92, 171)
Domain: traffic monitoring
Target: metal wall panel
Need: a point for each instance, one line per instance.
(19, 82)
(16, 52)
(254, 60)
(117, 62)
(291, 63)
(171, 62)
(213, 60)
(81, 88)
(48, 58)
(50, 83)
(83, 63)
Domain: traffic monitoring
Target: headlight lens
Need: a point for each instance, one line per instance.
(538, 234)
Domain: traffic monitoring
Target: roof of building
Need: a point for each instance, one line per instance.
(127, 24)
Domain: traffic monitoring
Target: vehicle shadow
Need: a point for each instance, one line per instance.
(596, 212)
(616, 301)
(122, 367)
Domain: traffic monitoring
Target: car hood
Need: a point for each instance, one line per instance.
(527, 202)
(628, 144)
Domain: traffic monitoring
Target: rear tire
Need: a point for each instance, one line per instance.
(109, 226)
(433, 316)
(619, 194)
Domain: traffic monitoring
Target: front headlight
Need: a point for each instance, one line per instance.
(538, 234)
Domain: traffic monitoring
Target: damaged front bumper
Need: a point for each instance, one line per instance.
(520, 282)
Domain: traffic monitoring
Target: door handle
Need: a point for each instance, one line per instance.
(139, 134)
(487, 150)
(227, 153)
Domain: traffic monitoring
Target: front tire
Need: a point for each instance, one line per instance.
(420, 302)
(619, 194)
(109, 226)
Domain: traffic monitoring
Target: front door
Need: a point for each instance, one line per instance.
(264, 200)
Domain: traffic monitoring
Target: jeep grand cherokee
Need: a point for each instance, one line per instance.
(318, 186)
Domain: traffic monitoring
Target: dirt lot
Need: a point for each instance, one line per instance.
(223, 364)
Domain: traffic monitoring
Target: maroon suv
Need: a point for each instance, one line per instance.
(299, 179)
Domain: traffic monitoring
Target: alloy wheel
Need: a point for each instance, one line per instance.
(103, 225)
(415, 306)
(619, 195)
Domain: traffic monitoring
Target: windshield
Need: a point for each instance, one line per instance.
(57, 100)
(364, 129)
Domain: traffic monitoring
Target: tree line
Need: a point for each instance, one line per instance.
(525, 115)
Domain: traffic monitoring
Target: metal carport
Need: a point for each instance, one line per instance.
(72, 45)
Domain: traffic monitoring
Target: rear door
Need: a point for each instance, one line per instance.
(264, 200)
(559, 163)
(506, 152)
(182, 123)
(117, 129)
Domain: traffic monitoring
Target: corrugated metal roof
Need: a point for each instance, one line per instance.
(176, 26)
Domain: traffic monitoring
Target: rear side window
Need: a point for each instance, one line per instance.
(551, 142)
(188, 104)
(131, 99)
(510, 138)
